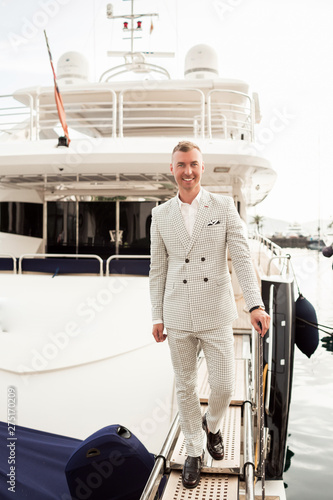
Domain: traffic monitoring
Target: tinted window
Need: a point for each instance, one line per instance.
(21, 218)
(135, 220)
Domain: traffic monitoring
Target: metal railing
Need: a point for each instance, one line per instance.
(286, 257)
(60, 255)
(248, 439)
(91, 117)
(16, 117)
(71, 256)
(232, 120)
(270, 248)
(171, 108)
(260, 392)
(257, 395)
(158, 111)
(156, 474)
(9, 256)
(118, 257)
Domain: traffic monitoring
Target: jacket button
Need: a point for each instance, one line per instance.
(185, 281)
(205, 279)
(187, 261)
(203, 259)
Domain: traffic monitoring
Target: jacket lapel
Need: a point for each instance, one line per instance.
(178, 222)
(201, 218)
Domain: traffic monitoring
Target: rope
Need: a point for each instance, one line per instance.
(264, 379)
(294, 274)
(325, 326)
(264, 392)
(317, 325)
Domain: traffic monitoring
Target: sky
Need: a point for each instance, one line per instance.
(282, 48)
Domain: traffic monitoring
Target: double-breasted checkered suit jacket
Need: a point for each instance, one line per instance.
(190, 285)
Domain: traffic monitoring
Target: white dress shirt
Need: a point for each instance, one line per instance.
(189, 213)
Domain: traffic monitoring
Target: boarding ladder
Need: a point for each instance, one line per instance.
(233, 477)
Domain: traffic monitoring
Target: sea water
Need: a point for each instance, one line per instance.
(309, 465)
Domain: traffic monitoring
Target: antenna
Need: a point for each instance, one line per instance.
(129, 18)
(134, 61)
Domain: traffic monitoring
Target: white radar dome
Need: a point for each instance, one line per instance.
(201, 62)
(72, 68)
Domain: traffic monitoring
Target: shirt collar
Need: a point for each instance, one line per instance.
(194, 203)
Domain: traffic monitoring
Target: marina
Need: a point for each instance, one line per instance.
(78, 183)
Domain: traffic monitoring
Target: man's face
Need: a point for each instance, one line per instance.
(187, 169)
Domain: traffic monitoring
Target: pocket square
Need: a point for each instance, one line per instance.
(213, 222)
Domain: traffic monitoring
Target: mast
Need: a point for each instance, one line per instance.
(134, 61)
(129, 17)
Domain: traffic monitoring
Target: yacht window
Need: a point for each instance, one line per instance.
(21, 218)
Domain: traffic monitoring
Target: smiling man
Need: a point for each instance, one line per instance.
(192, 298)
(187, 168)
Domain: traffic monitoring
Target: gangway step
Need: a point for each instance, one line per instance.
(231, 432)
(242, 346)
(211, 486)
(239, 394)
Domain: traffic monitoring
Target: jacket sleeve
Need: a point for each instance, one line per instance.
(158, 270)
(241, 258)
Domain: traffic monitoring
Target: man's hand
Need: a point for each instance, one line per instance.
(158, 334)
(260, 321)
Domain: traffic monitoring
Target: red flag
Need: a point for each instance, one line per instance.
(57, 96)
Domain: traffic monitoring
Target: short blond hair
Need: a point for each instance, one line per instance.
(185, 146)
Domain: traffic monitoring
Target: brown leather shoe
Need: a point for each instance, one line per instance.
(191, 471)
(214, 441)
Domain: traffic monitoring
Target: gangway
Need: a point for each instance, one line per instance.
(233, 477)
(247, 440)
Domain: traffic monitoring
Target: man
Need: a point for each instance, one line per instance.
(192, 298)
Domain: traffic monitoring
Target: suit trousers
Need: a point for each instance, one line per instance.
(218, 347)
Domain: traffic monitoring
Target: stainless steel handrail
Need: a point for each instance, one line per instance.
(248, 439)
(234, 109)
(260, 412)
(132, 257)
(270, 348)
(254, 365)
(200, 103)
(249, 482)
(60, 255)
(9, 256)
(288, 257)
(152, 484)
(26, 113)
(112, 119)
(274, 249)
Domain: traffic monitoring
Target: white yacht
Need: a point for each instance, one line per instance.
(295, 230)
(75, 330)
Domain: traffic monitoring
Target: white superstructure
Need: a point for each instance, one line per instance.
(122, 134)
